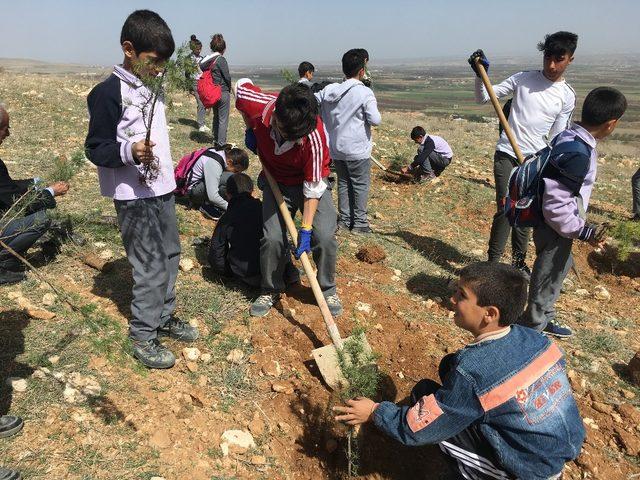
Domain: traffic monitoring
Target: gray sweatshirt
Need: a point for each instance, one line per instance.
(348, 110)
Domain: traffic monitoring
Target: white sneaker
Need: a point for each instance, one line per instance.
(204, 129)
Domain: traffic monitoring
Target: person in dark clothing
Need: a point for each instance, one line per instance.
(23, 218)
(235, 245)
(221, 76)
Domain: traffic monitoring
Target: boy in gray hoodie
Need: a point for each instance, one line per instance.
(348, 110)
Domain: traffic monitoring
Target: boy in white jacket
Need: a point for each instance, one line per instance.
(348, 110)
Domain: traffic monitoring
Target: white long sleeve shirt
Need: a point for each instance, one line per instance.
(540, 109)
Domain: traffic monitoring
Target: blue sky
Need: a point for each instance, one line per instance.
(288, 31)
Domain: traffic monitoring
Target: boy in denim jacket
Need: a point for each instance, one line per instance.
(505, 408)
(146, 209)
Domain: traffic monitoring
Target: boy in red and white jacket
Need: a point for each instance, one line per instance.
(292, 147)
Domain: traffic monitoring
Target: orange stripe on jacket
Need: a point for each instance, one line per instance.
(522, 379)
(423, 413)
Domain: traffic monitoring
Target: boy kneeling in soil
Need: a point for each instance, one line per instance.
(568, 182)
(434, 155)
(235, 244)
(505, 407)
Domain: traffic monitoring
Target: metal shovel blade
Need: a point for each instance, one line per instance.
(327, 360)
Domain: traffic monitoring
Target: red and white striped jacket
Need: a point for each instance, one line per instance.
(292, 163)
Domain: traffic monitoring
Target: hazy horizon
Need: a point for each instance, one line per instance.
(285, 32)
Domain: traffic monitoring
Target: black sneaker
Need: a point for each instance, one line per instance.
(261, 305)
(554, 329)
(152, 354)
(334, 304)
(211, 211)
(8, 277)
(10, 425)
(6, 474)
(519, 263)
(342, 227)
(179, 330)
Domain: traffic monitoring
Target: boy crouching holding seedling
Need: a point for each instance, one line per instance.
(505, 408)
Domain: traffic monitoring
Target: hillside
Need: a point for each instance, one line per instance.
(258, 373)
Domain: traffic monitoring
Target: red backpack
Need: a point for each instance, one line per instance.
(183, 170)
(209, 92)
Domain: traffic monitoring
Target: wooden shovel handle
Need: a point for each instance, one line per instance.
(329, 322)
(499, 112)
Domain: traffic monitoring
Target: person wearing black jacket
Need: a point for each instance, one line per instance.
(235, 245)
(23, 218)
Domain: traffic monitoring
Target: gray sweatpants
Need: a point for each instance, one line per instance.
(552, 264)
(221, 118)
(150, 237)
(354, 180)
(503, 163)
(635, 190)
(274, 246)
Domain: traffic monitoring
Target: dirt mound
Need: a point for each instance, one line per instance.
(371, 253)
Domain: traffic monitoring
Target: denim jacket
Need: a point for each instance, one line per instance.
(515, 390)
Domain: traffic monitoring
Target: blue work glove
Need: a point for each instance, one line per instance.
(483, 61)
(304, 242)
(250, 140)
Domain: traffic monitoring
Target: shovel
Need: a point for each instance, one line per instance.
(386, 170)
(326, 357)
(507, 128)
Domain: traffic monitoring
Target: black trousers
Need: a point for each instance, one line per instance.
(20, 234)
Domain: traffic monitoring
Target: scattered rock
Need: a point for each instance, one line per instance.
(282, 387)
(100, 264)
(590, 422)
(290, 313)
(17, 384)
(634, 368)
(477, 252)
(581, 292)
(235, 356)
(191, 354)
(602, 293)
(429, 303)
(49, 299)
(602, 408)
(397, 272)
(272, 368)
(106, 254)
(86, 384)
(205, 358)
(72, 395)
(378, 216)
(238, 438)
(157, 478)
(186, 264)
(39, 374)
(363, 307)
(40, 314)
(630, 442)
(256, 426)
(258, 460)
(630, 412)
(53, 359)
(627, 394)
(400, 375)
(192, 366)
(378, 327)
(224, 447)
(284, 426)
(371, 254)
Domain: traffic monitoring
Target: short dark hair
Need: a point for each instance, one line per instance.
(352, 62)
(364, 53)
(305, 67)
(559, 43)
(296, 111)
(239, 183)
(217, 43)
(238, 158)
(417, 132)
(497, 285)
(603, 104)
(194, 42)
(148, 32)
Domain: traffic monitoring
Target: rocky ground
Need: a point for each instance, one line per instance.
(246, 400)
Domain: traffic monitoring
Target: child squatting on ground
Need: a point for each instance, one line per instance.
(146, 210)
(235, 245)
(568, 183)
(505, 408)
(433, 156)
